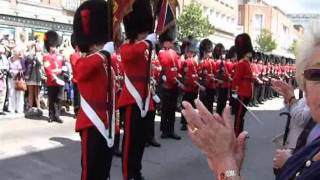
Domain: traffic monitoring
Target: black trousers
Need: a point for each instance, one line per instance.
(207, 97)
(262, 94)
(96, 156)
(169, 98)
(240, 113)
(55, 95)
(134, 140)
(223, 95)
(151, 126)
(76, 99)
(256, 93)
(189, 97)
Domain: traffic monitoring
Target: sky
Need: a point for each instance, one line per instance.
(297, 6)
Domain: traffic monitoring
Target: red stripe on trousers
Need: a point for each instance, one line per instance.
(238, 119)
(126, 142)
(84, 147)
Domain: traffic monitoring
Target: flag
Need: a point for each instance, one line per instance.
(120, 9)
(167, 15)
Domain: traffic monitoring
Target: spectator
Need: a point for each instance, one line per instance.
(214, 136)
(4, 68)
(33, 80)
(16, 69)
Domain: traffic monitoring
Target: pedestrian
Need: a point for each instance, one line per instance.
(16, 74)
(33, 80)
(4, 70)
(52, 62)
(135, 96)
(170, 75)
(243, 79)
(95, 80)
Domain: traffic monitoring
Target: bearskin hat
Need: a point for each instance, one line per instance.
(231, 53)
(190, 46)
(218, 51)
(168, 35)
(73, 41)
(91, 22)
(139, 20)
(243, 45)
(51, 39)
(205, 46)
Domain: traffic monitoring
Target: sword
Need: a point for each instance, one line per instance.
(252, 114)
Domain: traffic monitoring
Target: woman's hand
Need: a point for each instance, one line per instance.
(283, 88)
(281, 157)
(215, 137)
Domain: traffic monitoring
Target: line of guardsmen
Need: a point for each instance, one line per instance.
(190, 71)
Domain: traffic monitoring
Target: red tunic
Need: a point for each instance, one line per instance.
(171, 67)
(208, 69)
(225, 76)
(156, 70)
(190, 69)
(52, 66)
(93, 87)
(243, 79)
(134, 59)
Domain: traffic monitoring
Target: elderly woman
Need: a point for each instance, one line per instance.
(16, 69)
(215, 137)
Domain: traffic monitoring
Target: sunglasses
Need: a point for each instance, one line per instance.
(312, 74)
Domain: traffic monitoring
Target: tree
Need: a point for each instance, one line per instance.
(293, 48)
(265, 41)
(192, 22)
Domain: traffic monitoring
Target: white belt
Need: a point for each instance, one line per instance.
(135, 94)
(97, 122)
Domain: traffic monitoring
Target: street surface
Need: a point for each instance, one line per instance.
(37, 150)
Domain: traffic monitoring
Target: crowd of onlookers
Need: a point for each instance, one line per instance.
(22, 77)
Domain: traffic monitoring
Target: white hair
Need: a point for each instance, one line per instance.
(306, 48)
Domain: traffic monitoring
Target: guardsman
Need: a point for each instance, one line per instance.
(231, 63)
(207, 71)
(223, 77)
(95, 80)
(257, 81)
(243, 79)
(136, 97)
(190, 79)
(52, 62)
(74, 57)
(170, 75)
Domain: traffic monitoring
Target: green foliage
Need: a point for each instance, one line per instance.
(293, 48)
(265, 41)
(193, 22)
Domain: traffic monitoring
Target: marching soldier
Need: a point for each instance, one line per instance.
(208, 71)
(171, 65)
(95, 80)
(243, 79)
(190, 79)
(223, 78)
(136, 96)
(53, 67)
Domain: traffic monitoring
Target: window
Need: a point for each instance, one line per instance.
(258, 22)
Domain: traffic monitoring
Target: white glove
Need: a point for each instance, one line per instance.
(234, 95)
(152, 38)
(164, 78)
(109, 47)
(60, 82)
(64, 68)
